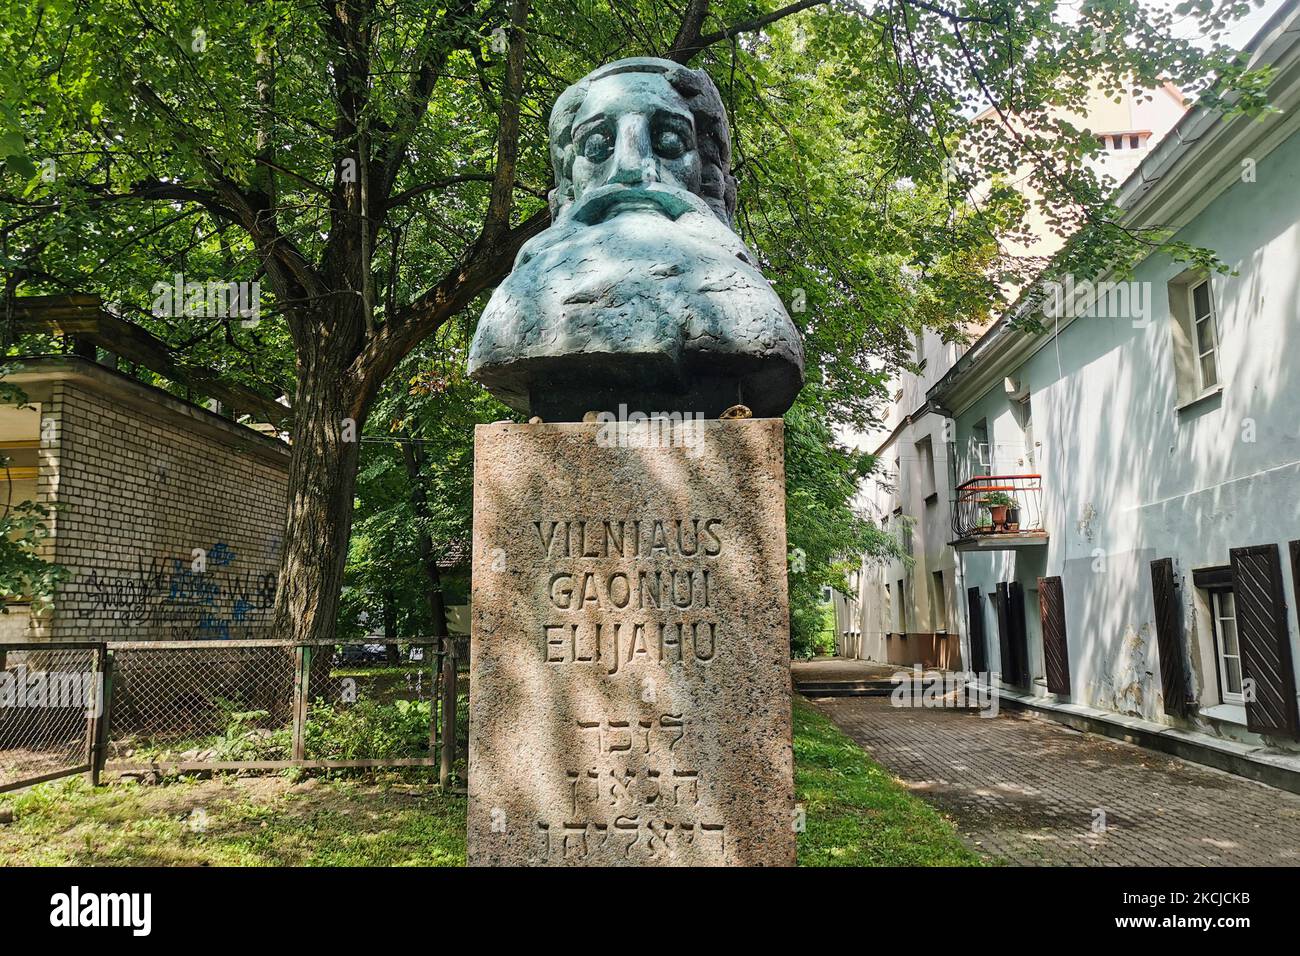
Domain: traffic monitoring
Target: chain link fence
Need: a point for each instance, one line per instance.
(50, 705)
(174, 707)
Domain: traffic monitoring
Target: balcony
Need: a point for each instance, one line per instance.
(996, 512)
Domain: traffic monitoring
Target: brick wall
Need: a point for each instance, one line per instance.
(169, 519)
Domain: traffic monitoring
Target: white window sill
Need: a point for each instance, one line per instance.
(1204, 396)
(1232, 713)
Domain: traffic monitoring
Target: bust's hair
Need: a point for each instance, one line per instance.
(713, 140)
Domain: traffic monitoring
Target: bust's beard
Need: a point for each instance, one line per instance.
(634, 288)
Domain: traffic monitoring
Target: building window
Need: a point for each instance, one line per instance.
(1205, 337)
(1023, 412)
(889, 605)
(925, 457)
(980, 453)
(1223, 623)
(902, 611)
(1195, 337)
(1113, 141)
(938, 604)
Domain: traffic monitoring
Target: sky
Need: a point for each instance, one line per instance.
(1242, 30)
(1240, 34)
(1249, 25)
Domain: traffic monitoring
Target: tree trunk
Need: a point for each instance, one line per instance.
(322, 481)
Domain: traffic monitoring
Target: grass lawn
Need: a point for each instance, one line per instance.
(391, 820)
(856, 816)
(856, 813)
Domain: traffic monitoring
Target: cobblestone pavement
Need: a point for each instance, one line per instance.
(1031, 791)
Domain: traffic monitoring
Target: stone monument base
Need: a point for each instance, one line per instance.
(630, 648)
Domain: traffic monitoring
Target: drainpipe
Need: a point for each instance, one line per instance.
(959, 567)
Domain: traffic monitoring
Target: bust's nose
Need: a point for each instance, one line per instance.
(634, 162)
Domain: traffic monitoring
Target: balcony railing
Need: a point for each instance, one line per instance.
(994, 505)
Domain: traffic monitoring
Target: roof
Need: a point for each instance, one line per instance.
(83, 319)
(34, 372)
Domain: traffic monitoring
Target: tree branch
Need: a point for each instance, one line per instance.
(481, 269)
(956, 17)
(407, 195)
(501, 199)
(685, 48)
(688, 31)
(294, 275)
(684, 54)
(387, 166)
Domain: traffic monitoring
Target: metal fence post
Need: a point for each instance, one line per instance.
(99, 745)
(448, 712)
(93, 707)
(435, 670)
(301, 695)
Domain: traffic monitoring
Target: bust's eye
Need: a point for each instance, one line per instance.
(597, 147)
(669, 143)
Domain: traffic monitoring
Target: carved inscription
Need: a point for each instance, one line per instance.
(631, 838)
(625, 593)
(630, 591)
(632, 801)
(616, 736)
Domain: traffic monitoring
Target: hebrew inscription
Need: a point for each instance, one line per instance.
(631, 802)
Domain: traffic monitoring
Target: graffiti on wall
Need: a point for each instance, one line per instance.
(204, 596)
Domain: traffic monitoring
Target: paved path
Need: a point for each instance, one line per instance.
(831, 669)
(1030, 791)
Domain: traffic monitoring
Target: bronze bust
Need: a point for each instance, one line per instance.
(640, 292)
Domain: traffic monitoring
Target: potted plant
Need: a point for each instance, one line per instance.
(998, 502)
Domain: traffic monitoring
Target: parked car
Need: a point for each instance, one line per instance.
(362, 654)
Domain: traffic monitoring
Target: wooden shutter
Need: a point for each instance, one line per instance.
(1265, 641)
(975, 613)
(1019, 634)
(1011, 630)
(1007, 663)
(1169, 638)
(1056, 652)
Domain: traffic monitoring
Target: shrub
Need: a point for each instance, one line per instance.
(368, 730)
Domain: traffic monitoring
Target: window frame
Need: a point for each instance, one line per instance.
(1216, 635)
(979, 467)
(889, 608)
(1211, 319)
(902, 609)
(938, 603)
(929, 479)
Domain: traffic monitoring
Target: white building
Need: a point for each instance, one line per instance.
(1152, 445)
(906, 612)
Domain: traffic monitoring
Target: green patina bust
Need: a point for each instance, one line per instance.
(640, 292)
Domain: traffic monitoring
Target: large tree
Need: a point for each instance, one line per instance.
(378, 163)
